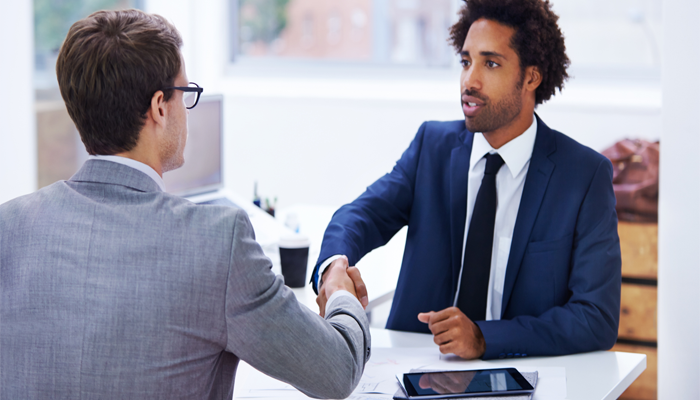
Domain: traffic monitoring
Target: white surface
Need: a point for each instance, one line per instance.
(379, 377)
(589, 376)
(18, 133)
(204, 31)
(679, 206)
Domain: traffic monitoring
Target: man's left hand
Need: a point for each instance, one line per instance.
(455, 333)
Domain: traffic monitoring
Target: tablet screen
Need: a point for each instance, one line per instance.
(465, 382)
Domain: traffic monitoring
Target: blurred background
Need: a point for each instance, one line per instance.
(321, 97)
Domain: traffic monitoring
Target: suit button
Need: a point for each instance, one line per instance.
(502, 355)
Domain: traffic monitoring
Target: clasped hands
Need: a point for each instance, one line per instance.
(452, 330)
(341, 276)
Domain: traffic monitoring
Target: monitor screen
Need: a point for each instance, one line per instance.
(202, 169)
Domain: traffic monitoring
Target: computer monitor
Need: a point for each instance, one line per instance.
(202, 171)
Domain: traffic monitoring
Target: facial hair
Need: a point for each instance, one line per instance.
(172, 151)
(495, 114)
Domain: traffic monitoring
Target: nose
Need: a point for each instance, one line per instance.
(471, 78)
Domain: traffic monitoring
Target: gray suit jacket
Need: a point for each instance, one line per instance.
(111, 289)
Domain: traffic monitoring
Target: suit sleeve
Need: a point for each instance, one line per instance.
(372, 219)
(589, 320)
(270, 330)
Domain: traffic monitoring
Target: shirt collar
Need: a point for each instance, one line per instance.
(515, 153)
(137, 165)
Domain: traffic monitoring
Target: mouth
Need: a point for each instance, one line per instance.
(471, 105)
(471, 108)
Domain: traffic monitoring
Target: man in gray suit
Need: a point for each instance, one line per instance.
(112, 288)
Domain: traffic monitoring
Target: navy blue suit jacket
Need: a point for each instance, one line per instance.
(562, 286)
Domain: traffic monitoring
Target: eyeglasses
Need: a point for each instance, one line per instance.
(191, 95)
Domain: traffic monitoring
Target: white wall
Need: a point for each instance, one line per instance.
(204, 31)
(18, 133)
(679, 205)
(323, 139)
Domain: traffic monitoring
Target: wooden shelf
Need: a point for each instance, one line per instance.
(638, 303)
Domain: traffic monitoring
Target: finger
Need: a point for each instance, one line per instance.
(448, 348)
(443, 314)
(450, 324)
(360, 288)
(424, 317)
(443, 338)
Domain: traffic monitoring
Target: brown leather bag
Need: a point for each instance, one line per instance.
(635, 179)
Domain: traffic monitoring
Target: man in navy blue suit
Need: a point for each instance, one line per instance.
(512, 247)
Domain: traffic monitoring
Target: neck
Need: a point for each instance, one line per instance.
(145, 152)
(515, 128)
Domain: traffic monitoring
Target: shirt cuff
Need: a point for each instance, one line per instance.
(323, 266)
(338, 294)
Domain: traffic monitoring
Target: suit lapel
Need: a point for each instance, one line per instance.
(459, 177)
(536, 181)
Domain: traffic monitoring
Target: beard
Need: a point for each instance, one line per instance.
(495, 114)
(172, 151)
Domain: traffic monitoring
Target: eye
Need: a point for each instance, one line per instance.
(465, 63)
(492, 64)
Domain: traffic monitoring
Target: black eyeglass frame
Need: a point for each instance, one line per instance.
(196, 89)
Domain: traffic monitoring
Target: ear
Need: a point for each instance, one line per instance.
(158, 111)
(533, 78)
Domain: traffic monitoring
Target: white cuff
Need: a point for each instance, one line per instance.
(323, 266)
(337, 294)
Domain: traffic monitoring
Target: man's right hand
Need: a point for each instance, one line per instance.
(340, 276)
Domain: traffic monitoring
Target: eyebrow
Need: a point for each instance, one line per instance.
(485, 54)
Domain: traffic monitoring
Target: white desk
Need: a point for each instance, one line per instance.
(596, 375)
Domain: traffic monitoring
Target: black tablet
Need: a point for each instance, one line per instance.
(481, 382)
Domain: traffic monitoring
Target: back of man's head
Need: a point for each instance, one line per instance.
(108, 69)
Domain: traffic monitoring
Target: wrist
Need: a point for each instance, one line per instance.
(480, 341)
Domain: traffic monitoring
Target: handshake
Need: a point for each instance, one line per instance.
(452, 330)
(340, 276)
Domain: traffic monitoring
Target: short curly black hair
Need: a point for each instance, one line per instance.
(537, 40)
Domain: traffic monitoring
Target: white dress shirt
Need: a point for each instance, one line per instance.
(137, 165)
(510, 181)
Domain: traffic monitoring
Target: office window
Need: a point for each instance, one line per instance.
(617, 38)
(411, 32)
(52, 19)
(603, 38)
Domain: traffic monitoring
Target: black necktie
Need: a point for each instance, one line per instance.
(476, 270)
